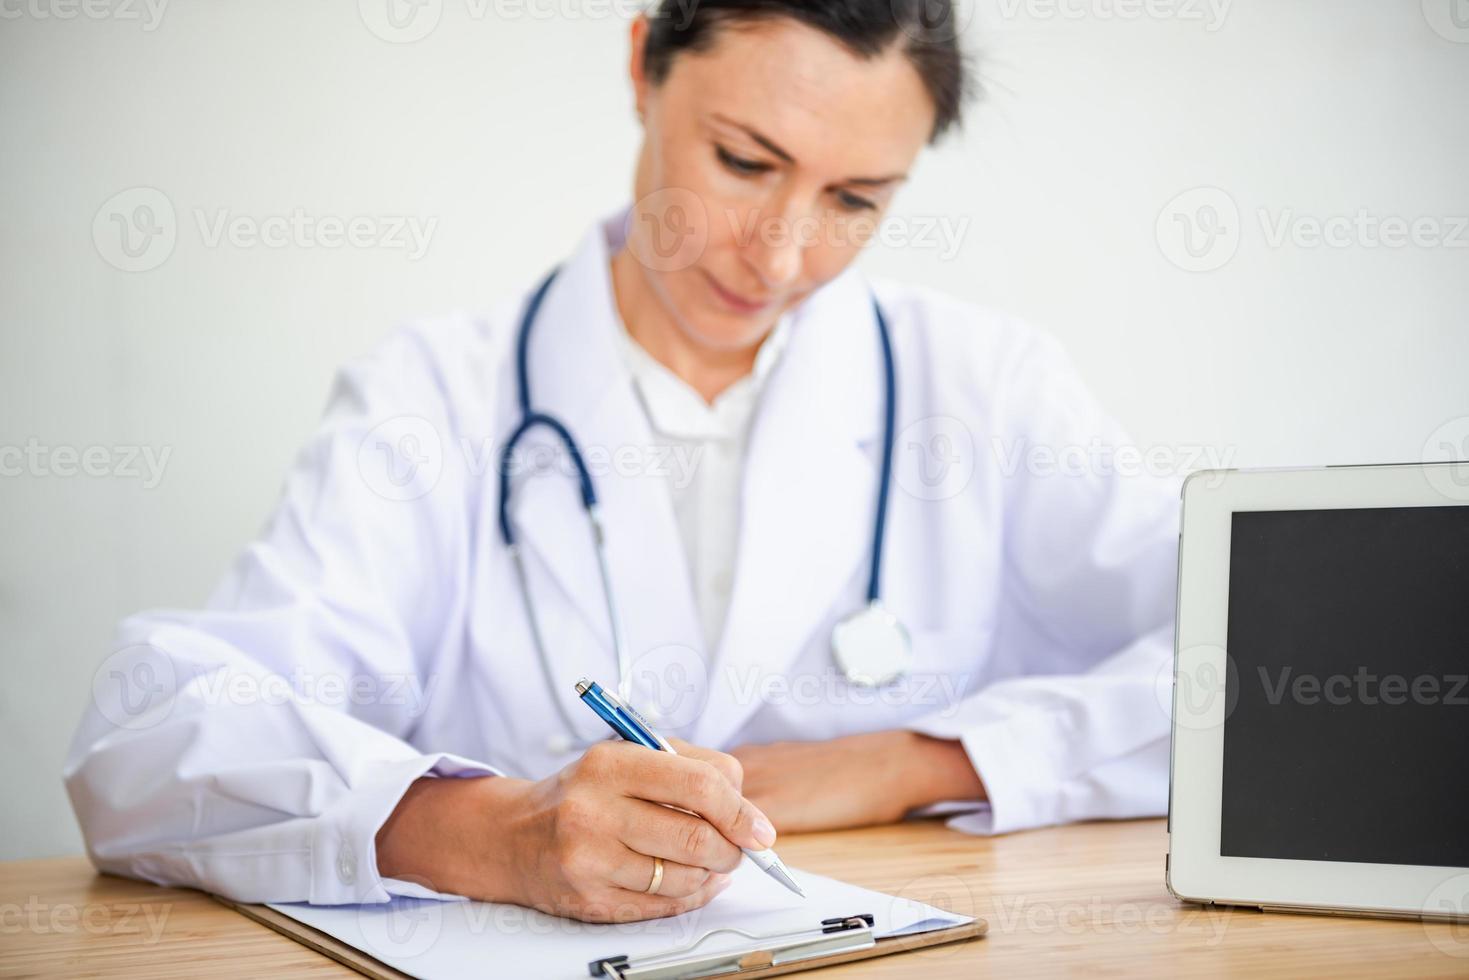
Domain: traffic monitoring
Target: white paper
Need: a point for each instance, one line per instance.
(436, 940)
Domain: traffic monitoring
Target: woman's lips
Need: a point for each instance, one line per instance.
(735, 301)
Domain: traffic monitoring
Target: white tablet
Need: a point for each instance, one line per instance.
(1321, 691)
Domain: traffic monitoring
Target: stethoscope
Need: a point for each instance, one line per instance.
(870, 646)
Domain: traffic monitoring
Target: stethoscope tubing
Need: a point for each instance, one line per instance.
(531, 420)
(885, 481)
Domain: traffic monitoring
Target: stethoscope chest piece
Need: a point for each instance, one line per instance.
(872, 647)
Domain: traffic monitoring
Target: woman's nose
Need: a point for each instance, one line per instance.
(776, 252)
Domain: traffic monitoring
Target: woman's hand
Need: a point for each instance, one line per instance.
(581, 843)
(855, 781)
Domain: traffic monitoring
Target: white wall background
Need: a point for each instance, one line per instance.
(509, 124)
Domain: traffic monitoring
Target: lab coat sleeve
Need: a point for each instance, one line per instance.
(255, 747)
(1074, 727)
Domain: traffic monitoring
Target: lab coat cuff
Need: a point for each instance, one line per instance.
(344, 851)
(1021, 760)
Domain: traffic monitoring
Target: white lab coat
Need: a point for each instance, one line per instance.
(1040, 602)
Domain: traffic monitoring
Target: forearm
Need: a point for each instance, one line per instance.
(936, 770)
(855, 780)
(438, 834)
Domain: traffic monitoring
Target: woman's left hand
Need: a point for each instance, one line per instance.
(856, 780)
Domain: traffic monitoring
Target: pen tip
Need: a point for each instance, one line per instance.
(784, 877)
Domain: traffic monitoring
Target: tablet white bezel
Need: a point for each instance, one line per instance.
(1196, 870)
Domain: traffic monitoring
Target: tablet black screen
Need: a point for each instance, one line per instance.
(1349, 637)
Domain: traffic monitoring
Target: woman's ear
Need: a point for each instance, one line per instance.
(638, 35)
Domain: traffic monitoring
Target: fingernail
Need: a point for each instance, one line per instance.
(764, 830)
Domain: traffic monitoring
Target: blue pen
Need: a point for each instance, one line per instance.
(632, 726)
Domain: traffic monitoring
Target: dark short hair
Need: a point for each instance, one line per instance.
(925, 28)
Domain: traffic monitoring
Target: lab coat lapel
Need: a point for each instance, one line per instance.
(808, 499)
(578, 376)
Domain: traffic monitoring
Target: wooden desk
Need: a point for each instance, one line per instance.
(1082, 900)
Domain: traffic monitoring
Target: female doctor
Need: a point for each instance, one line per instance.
(824, 541)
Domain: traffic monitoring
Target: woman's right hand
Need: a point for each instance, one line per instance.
(581, 843)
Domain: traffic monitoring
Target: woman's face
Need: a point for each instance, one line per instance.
(767, 163)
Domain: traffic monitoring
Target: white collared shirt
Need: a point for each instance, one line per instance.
(708, 443)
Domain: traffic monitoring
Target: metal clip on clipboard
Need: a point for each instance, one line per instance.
(839, 935)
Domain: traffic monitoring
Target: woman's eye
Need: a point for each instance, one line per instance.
(851, 202)
(739, 165)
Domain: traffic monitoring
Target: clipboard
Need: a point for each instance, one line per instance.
(833, 941)
(838, 940)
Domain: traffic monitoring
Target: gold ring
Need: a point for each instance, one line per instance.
(657, 876)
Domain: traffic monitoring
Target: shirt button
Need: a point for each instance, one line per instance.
(347, 864)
